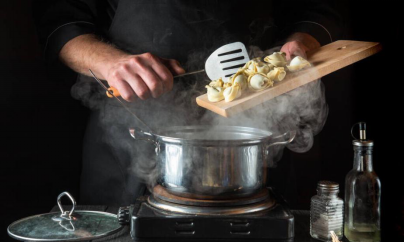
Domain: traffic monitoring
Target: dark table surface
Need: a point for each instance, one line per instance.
(302, 225)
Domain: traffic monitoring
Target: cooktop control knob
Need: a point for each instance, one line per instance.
(123, 215)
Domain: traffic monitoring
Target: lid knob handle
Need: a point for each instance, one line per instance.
(66, 214)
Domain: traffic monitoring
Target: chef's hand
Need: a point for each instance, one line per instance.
(298, 44)
(142, 76)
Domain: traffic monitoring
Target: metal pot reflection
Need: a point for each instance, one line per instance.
(213, 163)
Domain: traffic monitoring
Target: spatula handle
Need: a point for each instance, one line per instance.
(190, 73)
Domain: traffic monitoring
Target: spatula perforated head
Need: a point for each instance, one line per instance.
(226, 60)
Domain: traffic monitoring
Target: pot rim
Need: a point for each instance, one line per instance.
(254, 135)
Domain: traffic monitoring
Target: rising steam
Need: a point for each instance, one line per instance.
(303, 109)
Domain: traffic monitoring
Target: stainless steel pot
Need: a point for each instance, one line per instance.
(213, 163)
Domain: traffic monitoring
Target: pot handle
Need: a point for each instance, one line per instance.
(142, 135)
(290, 136)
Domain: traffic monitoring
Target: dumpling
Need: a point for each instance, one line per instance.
(263, 67)
(249, 67)
(232, 92)
(227, 84)
(298, 63)
(277, 59)
(215, 94)
(259, 82)
(240, 78)
(218, 83)
(277, 74)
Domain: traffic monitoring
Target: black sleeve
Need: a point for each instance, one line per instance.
(315, 17)
(59, 21)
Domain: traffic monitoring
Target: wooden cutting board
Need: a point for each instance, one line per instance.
(325, 60)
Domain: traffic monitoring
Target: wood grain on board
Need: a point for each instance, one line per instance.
(325, 60)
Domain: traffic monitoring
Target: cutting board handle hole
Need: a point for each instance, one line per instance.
(340, 48)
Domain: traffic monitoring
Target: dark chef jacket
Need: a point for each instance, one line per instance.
(179, 29)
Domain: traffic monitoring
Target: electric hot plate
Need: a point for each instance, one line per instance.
(164, 217)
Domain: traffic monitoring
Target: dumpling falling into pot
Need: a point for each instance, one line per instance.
(259, 82)
(298, 63)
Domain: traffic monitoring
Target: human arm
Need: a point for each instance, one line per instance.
(74, 32)
(142, 76)
(307, 25)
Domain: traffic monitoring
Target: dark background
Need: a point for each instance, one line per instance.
(43, 127)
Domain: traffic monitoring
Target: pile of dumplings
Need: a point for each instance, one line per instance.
(256, 75)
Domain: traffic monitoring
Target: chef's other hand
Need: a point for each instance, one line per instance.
(142, 76)
(299, 44)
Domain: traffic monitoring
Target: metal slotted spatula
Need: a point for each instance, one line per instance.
(224, 62)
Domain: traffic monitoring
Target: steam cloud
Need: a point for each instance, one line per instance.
(303, 109)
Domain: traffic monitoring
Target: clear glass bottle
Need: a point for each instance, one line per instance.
(326, 212)
(362, 194)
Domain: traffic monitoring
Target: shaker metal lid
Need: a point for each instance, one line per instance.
(65, 225)
(328, 185)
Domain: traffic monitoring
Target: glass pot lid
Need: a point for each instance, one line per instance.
(65, 225)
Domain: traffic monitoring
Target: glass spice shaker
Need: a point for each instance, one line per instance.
(326, 212)
(362, 193)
